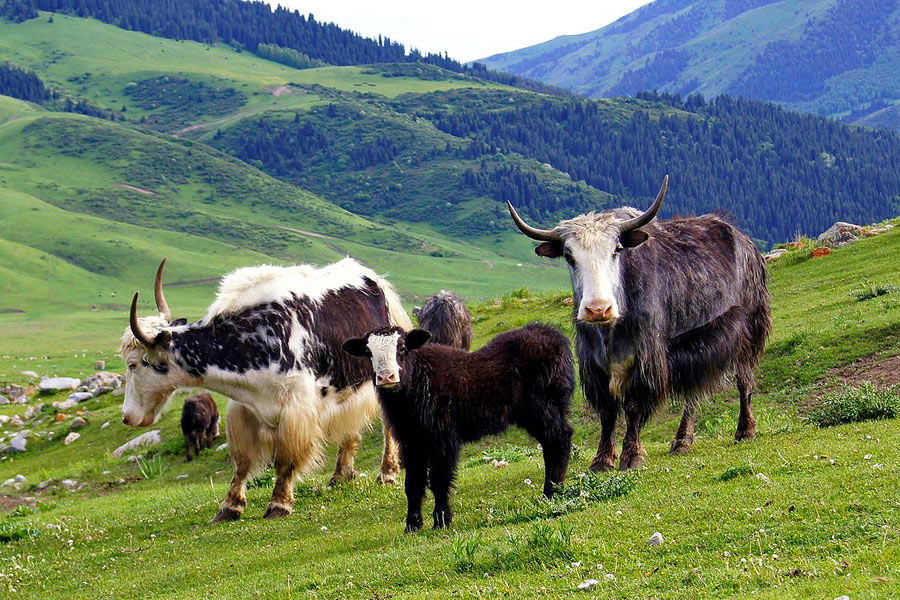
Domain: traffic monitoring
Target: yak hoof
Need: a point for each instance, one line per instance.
(631, 461)
(413, 524)
(342, 477)
(745, 435)
(680, 446)
(602, 464)
(442, 518)
(227, 513)
(389, 478)
(276, 511)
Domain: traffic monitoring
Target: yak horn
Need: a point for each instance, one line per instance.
(541, 235)
(139, 334)
(650, 214)
(161, 303)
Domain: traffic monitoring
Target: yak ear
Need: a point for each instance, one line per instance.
(417, 338)
(178, 322)
(549, 250)
(163, 339)
(356, 347)
(632, 239)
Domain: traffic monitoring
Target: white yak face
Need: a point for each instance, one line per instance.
(383, 350)
(150, 380)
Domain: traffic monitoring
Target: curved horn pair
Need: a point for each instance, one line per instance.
(549, 235)
(161, 305)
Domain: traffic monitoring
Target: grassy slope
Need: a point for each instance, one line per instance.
(833, 525)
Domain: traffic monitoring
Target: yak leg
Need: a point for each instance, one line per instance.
(605, 460)
(343, 469)
(416, 478)
(442, 471)
(557, 451)
(390, 458)
(636, 416)
(188, 444)
(684, 437)
(746, 427)
(244, 448)
(297, 448)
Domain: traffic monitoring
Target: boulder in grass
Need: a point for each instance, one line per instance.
(99, 365)
(65, 405)
(31, 374)
(72, 437)
(101, 380)
(78, 423)
(774, 254)
(18, 443)
(841, 234)
(55, 384)
(3, 400)
(151, 438)
(15, 393)
(80, 396)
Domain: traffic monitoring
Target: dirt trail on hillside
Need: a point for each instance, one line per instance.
(135, 188)
(880, 371)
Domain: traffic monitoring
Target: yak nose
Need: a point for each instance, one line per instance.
(388, 379)
(599, 310)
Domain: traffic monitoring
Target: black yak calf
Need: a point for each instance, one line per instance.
(447, 397)
(199, 423)
(445, 317)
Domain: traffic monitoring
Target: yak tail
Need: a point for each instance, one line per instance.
(396, 313)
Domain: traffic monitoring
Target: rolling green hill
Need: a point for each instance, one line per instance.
(829, 57)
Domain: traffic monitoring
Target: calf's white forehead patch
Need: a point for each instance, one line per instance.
(384, 352)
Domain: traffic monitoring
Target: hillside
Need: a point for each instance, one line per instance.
(828, 57)
(397, 142)
(801, 512)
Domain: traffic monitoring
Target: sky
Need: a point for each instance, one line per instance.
(466, 29)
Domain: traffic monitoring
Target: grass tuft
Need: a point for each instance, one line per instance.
(151, 468)
(872, 290)
(853, 404)
(735, 472)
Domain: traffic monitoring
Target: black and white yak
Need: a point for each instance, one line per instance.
(199, 423)
(446, 318)
(436, 398)
(271, 342)
(660, 308)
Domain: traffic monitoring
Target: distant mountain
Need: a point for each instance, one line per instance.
(837, 58)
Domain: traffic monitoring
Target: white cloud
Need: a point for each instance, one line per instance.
(466, 29)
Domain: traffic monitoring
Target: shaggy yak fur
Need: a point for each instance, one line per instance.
(688, 306)
(446, 318)
(447, 397)
(199, 423)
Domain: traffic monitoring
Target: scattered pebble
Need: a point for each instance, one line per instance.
(499, 464)
(99, 365)
(656, 539)
(588, 584)
(610, 577)
(842, 598)
(182, 476)
(222, 447)
(78, 423)
(72, 437)
(762, 477)
(151, 438)
(69, 483)
(105, 425)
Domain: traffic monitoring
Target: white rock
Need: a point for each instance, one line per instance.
(3, 400)
(101, 380)
(20, 478)
(99, 365)
(72, 437)
(4, 419)
(80, 396)
(499, 464)
(78, 423)
(656, 539)
(774, 254)
(222, 447)
(18, 442)
(30, 374)
(588, 584)
(44, 484)
(841, 234)
(69, 483)
(9, 481)
(842, 598)
(105, 425)
(762, 477)
(65, 405)
(33, 411)
(59, 383)
(151, 438)
(610, 577)
(182, 476)
(16, 421)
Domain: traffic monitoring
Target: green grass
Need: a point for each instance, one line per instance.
(799, 512)
(853, 404)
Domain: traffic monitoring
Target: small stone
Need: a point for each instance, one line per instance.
(69, 483)
(656, 539)
(78, 423)
(842, 598)
(65, 405)
(55, 384)
(44, 484)
(99, 365)
(31, 374)
(4, 419)
(762, 477)
(106, 473)
(151, 438)
(33, 411)
(80, 396)
(105, 425)
(182, 476)
(4, 400)
(588, 584)
(17, 444)
(499, 464)
(72, 437)
(610, 577)
(16, 421)
(222, 447)
(9, 481)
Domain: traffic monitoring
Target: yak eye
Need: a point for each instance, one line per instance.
(132, 366)
(619, 248)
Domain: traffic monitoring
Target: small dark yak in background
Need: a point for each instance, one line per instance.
(446, 318)
(447, 397)
(199, 423)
